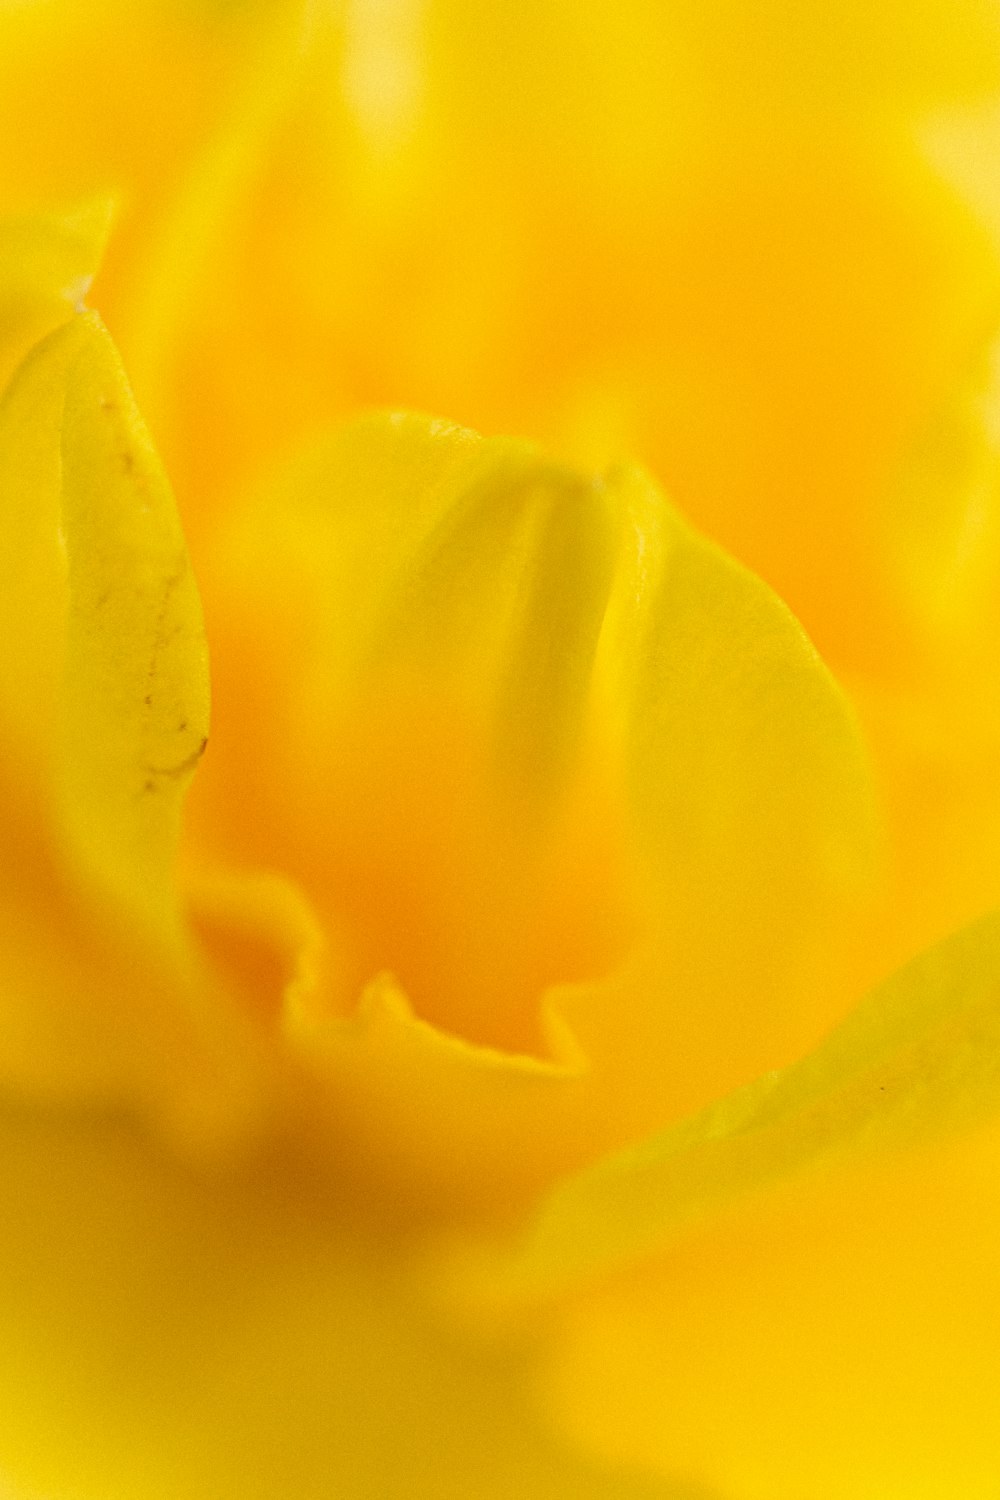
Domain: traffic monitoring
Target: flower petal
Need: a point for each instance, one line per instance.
(489, 783)
(222, 1339)
(103, 724)
(136, 685)
(47, 262)
(405, 630)
(753, 824)
(935, 732)
(917, 1061)
(835, 1335)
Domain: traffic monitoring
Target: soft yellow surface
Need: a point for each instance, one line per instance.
(723, 238)
(854, 1350)
(915, 1061)
(836, 1336)
(165, 1335)
(574, 778)
(469, 1089)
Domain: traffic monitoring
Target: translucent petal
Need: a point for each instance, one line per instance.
(135, 714)
(103, 721)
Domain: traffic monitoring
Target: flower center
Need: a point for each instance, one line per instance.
(442, 878)
(420, 862)
(404, 723)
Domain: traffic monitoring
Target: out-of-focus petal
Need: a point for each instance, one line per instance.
(47, 263)
(728, 240)
(752, 821)
(435, 1125)
(833, 1336)
(715, 239)
(916, 1063)
(795, 1292)
(232, 1339)
(934, 727)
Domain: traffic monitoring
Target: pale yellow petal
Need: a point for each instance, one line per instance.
(135, 704)
(103, 721)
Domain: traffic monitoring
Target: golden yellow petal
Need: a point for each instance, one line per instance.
(47, 263)
(403, 639)
(916, 1062)
(834, 1334)
(489, 782)
(242, 1339)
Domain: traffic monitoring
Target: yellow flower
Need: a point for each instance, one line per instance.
(469, 1087)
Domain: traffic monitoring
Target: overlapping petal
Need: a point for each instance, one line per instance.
(533, 823)
(794, 1292)
(916, 1062)
(572, 783)
(723, 240)
(47, 263)
(104, 717)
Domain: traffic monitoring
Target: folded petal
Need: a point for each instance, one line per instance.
(405, 631)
